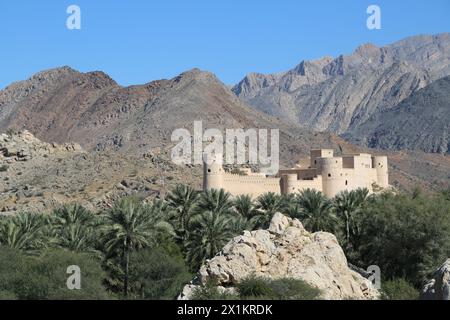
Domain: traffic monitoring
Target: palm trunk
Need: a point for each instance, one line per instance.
(125, 280)
(347, 225)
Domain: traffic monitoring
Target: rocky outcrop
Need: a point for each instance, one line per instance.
(23, 146)
(438, 288)
(286, 249)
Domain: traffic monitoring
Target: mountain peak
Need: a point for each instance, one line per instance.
(367, 48)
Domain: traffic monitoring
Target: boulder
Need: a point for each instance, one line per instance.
(438, 288)
(23, 146)
(285, 250)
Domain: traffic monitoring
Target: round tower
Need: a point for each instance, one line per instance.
(290, 183)
(333, 180)
(212, 172)
(381, 166)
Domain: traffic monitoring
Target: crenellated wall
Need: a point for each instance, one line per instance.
(253, 185)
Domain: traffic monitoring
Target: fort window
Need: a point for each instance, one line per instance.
(329, 175)
(315, 161)
(346, 182)
(209, 170)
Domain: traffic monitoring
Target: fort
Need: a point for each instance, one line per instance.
(325, 172)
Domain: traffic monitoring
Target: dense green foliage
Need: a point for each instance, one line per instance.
(44, 276)
(158, 274)
(398, 289)
(150, 250)
(407, 236)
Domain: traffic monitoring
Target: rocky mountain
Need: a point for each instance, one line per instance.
(124, 131)
(340, 94)
(125, 135)
(285, 250)
(91, 109)
(421, 122)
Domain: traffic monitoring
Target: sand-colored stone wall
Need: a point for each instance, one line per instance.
(253, 185)
(328, 174)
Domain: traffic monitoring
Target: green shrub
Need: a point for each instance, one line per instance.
(279, 289)
(211, 292)
(294, 289)
(254, 287)
(398, 289)
(45, 276)
(155, 274)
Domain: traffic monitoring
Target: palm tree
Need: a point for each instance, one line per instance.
(25, 231)
(212, 226)
(211, 231)
(362, 195)
(247, 214)
(346, 205)
(183, 200)
(315, 211)
(215, 201)
(268, 204)
(130, 225)
(244, 206)
(73, 228)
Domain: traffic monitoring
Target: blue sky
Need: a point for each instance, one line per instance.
(137, 41)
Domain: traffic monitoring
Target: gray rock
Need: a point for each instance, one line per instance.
(285, 250)
(438, 288)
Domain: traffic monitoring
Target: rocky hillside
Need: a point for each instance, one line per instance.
(36, 176)
(422, 121)
(340, 94)
(91, 109)
(285, 250)
(125, 134)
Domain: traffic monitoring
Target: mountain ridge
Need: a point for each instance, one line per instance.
(421, 121)
(347, 90)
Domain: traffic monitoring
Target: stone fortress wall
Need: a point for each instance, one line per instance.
(326, 173)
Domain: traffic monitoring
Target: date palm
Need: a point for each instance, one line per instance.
(183, 200)
(211, 230)
(130, 225)
(244, 206)
(315, 211)
(268, 204)
(247, 214)
(25, 231)
(346, 205)
(73, 228)
(215, 201)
